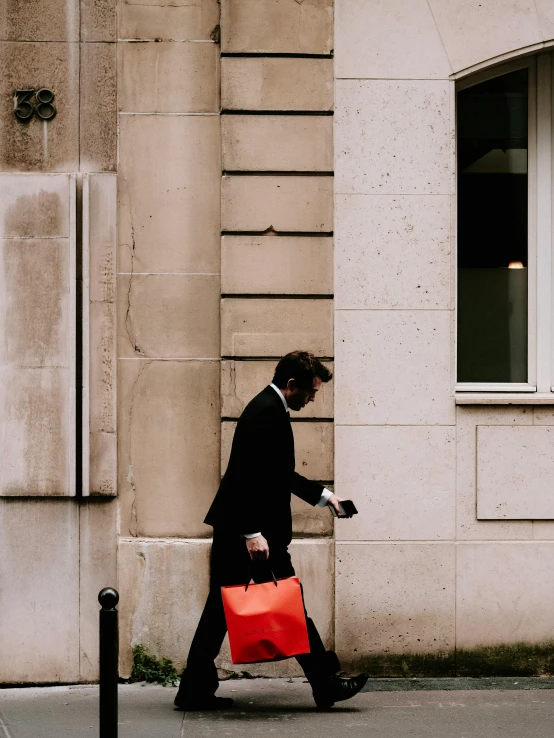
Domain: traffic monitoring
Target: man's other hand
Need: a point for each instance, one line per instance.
(333, 501)
(257, 548)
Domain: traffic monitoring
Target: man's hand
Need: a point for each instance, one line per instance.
(333, 501)
(257, 548)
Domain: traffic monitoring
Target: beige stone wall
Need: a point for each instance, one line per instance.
(168, 315)
(58, 549)
(420, 574)
(168, 267)
(270, 261)
(277, 221)
(198, 194)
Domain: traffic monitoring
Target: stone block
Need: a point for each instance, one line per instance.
(168, 20)
(467, 525)
(314, 564)
(393, 367)
(270, 83)
(392, 40)
(543, 415)
(289, 143)
(169, 316)
(34, 207)
(40, 20)
(37, 423)
(169, 197)
(168, 77)
(36, 302)
(266, 327)
(242, 380)
(393, 252)
(163, 585)
(543, 530)
(414, 118)
(314, 443)
(515, 466)
(277, 26)
(51, 146)
(311, 522)
(402, 480)
(39, 568)
(169, 451)
(472, 32)
(285, 203)
(286, 265)
(97, 569)
(98, 20)
(501, 597)
(545, 9)
(313, 448)
(394, 598)
(98, 109)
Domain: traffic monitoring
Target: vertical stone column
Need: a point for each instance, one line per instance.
(395, 412)
(276, 248)
(168, 313)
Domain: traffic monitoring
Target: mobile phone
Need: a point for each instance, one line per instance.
(347, 509)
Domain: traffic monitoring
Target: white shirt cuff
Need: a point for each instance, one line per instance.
(251, 535)
(324, 499)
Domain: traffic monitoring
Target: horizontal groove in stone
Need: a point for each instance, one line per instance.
(271, 233)
(304, 536)
(279, 112)
(273, 54)
(271, 173)
(158, 39)
(267, 358)
(226, 419)
(269, 296)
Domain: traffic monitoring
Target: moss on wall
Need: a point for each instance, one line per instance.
(517, 659)
(147, 668)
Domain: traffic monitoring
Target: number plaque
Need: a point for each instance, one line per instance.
(27, 103)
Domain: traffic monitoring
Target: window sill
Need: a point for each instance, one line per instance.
(504, 398)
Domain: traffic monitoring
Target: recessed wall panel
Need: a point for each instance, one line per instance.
(37, 335)
(515, 469)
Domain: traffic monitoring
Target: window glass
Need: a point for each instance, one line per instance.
(492, 230)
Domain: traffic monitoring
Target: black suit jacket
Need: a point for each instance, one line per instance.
(254, 495)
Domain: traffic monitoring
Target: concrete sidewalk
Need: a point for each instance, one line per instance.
(281, 707)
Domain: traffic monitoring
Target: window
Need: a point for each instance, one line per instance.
(504, 233)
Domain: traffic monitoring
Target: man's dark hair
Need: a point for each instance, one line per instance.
(301, 366)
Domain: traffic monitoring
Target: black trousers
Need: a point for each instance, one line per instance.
(231, 564)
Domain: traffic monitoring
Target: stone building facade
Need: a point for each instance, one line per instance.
(220, 183)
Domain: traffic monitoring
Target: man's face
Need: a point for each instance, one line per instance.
(299, 397)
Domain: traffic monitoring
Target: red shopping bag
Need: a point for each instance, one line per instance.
(266, 622)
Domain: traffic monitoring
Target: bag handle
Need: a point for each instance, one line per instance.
(252, 562)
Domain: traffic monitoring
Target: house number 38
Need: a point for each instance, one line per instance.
(27, 103)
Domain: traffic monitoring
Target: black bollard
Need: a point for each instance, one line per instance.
(109, 655)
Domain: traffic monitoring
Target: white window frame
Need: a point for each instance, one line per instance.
(540, 265)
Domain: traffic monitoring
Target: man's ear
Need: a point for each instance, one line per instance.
(291, 385)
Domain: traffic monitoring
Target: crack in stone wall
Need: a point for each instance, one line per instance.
(134, 525)
(132, 247)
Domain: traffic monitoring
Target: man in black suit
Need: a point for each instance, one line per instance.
(252, 522)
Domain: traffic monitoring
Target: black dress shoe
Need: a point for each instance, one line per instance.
(203, 704)
(338, 689)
